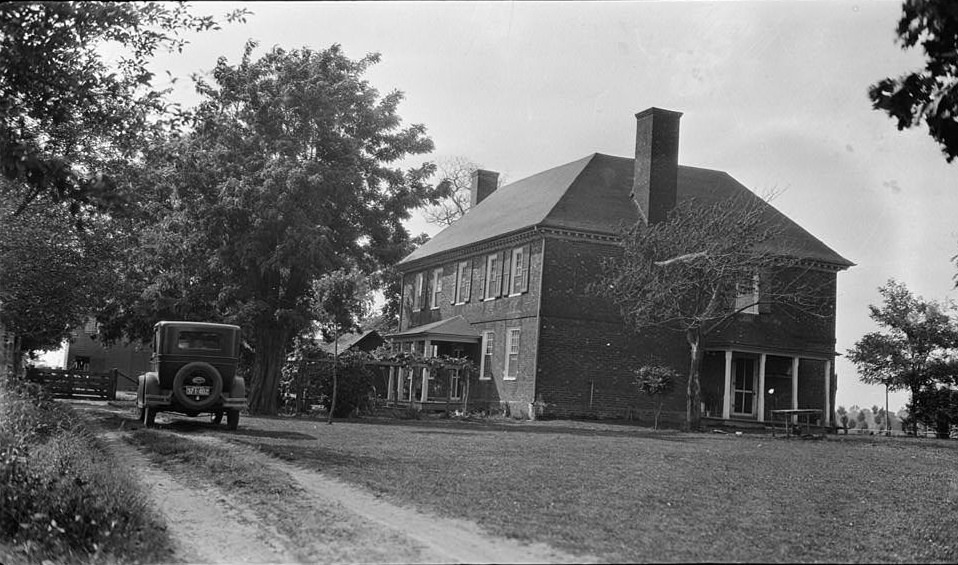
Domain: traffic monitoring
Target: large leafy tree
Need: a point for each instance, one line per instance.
(916, 348)
(693, 272)
(290, 174)
(52, 275)
(68, 116)
(930, 94)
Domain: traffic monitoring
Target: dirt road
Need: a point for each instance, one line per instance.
(210, 525)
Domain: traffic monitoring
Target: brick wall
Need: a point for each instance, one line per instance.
(513, 396)
(586, 354)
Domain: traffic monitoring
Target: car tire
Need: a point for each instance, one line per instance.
(211, 377)
(216, 417)
(232, 419)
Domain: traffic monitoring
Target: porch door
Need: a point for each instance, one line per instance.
(743, 387)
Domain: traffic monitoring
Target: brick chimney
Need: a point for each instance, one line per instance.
(484, 183)
(656, 163)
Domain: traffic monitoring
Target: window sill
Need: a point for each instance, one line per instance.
(485, 378)
(509, 378)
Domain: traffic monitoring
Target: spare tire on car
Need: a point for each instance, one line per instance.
(197, 385)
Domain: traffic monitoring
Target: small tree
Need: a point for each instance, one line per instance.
(341, 298)
(843, 418)
(455, 178)
(918, 347)
(656, 382)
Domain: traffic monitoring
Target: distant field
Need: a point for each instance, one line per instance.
(622, 493)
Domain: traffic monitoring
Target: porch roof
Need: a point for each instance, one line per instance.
(451, 329)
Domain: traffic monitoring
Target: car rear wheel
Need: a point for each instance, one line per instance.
(216, 417)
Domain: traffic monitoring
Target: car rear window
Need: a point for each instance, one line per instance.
(202, 341)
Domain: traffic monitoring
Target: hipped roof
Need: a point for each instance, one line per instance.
(592, 195)
(451, 329)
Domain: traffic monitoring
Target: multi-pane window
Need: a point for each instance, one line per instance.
(512, 353)
(747, 296)
(518, 271)
(435, 288)
(417, 293)
(492, 276)
(488, 345)
(463, 282)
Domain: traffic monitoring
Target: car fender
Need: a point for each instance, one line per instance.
(152, 394)
(238, 389)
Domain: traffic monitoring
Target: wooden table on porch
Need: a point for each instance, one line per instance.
(802, 418)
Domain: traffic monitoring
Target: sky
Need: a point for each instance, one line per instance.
(773, 93)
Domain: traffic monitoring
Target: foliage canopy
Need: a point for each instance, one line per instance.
(288, 176)
(928, 95)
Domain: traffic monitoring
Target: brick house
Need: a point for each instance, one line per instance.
(507, 286)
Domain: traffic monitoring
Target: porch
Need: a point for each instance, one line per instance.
(431, 386)
(742, 387)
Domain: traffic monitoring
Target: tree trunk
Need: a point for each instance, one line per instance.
(693, 413)
(332, 401)
(269, 356)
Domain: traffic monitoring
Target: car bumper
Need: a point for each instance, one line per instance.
(166, 399)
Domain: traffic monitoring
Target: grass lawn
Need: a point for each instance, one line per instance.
(622, 493)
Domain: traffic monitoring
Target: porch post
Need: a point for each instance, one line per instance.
(795, 387)
(412, 384)
(427, 352)
(760, 405)
(828, 390)
(391, 387)
(727, 395)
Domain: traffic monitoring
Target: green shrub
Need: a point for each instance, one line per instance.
(62, 497)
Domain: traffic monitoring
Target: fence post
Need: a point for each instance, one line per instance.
(114, 375)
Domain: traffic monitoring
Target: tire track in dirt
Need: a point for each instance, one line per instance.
(441, 540)
(205, 525)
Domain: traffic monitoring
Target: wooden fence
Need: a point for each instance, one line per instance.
(63, 383)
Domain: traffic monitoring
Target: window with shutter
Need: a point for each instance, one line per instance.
(467, 281)
(493, 277)
(417, 293)
(436, 288)
(518, 270)
(506, 270)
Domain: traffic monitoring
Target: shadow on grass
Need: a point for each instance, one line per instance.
(576, 428)
(313, 458)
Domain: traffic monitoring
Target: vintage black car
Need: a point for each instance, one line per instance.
(194, 372)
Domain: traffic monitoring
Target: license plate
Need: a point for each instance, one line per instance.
(198, 390)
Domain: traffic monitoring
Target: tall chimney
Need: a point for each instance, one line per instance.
(656, 163)
(484, 183)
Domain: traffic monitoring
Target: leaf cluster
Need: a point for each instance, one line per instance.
(929, 94)
(68, 116)
(655, 380)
